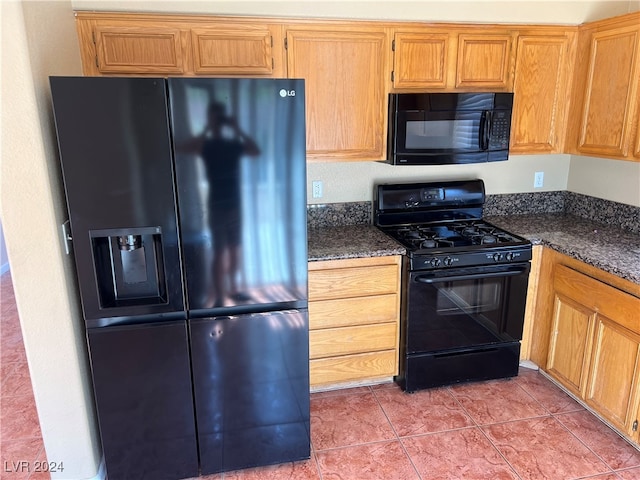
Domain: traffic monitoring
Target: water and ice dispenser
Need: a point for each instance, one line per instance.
(129, 266)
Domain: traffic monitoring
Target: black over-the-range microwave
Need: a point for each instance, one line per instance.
(448, 128)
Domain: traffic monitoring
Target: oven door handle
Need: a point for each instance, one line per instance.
(473, 276)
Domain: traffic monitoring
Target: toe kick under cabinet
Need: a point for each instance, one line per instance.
(354, 307)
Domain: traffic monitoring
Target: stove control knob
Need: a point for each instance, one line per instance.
(435, 262)
(447, 261)
(509, 256)
(497, 257)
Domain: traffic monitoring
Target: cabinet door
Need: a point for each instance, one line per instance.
(344, 72)
(484, 61)
(570, 344)
(421, 60)
(130, 47)
(232, 50)
(540, 89)
(613, 381)
(610, 92)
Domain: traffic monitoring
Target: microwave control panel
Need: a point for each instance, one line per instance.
(500, 128)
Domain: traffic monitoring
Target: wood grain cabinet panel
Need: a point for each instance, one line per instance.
(232, 50)
(604, 105)
(570, 343)
(327, 372)
(541, 84)
(613, 380)
(154, 44)
(346, 340)
(421, 60)
(345, 86)
(354, 312)
(343, 312)
(484, 61)
(365, 280)
(594, 347)
(139, 49)
(608, 102)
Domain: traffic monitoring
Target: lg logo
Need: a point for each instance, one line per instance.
(287, 93)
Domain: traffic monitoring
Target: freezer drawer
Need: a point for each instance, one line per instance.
(142, 384)
(251, 384)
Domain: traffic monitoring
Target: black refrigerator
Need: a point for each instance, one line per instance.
(187, 209)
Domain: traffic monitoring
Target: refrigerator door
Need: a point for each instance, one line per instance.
(142, 384)
(115, 150)
(251, 386)
(241, 179)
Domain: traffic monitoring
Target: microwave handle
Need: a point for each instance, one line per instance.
(485, 129)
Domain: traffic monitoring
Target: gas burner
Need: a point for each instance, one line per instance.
(429, 243)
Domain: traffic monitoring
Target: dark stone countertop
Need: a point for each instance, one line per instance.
(608, 248)
(351, 241)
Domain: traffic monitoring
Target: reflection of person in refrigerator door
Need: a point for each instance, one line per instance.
(222, 146)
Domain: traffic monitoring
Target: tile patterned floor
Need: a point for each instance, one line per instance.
(21, 448)
(524, 428)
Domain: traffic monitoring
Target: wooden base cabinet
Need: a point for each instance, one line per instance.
(353, 320)
(593, 341)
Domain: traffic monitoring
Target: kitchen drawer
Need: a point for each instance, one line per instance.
(353, 282)
(350, 368)
(344, 312)
(346, 340)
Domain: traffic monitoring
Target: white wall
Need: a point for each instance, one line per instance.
(611, 179)
(508, 11)
(350, 182)
(38, 39)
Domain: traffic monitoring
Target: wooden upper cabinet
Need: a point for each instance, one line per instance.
(421, 60)
(345, 86)
(140, 44)
(484, 61)
(543, 67)
(453, 59)
(605, 91)
(124, 48)
(232, 50)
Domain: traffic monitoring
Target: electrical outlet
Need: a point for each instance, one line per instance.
(316, 189)
(538, 180)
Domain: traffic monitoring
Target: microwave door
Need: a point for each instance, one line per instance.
(441, 132)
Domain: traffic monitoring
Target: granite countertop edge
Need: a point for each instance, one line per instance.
(350, 241)
(608, 248)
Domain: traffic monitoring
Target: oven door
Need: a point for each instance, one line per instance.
(463, 308)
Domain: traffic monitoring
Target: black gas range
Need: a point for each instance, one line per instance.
(459, 243)
(464, 283)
